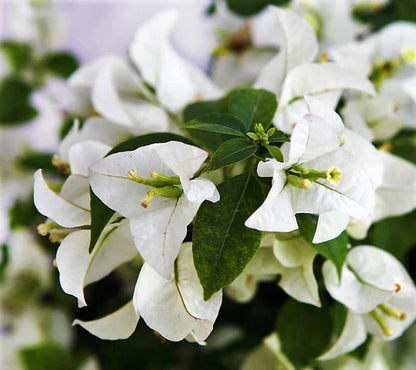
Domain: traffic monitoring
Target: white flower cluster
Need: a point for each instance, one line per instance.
(330, 169)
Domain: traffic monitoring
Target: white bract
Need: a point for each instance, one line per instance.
(377, 290)
(152, 187)
(175, 308)
(320, 175)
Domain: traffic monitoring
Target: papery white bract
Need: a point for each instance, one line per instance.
(159, 229)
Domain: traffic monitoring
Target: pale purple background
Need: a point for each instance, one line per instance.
(91, 29)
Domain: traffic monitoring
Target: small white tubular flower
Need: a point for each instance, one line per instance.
(376, 285)
(321, 176)
(177, 82)
(78, 268)
(175, 308)
(117, 325)
(152, 187)
(296, 257)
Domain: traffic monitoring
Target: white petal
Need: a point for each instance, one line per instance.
(358, 297)
(78, 268)
(99, 129)
(108, 179)
(355, 121)
(299, 46)
(55, 207)
(276, 213)
(76, 190)
(330, 225)
(118, 325)
(201, 189)
(353, 194)
(397, 193)
(315, 79)
(183, 159)
(82, 155)
(353, 334)
(300, 283)
(158, 235)
(293, 252)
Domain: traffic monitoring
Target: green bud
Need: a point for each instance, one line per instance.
(271, 131)
(252, 135)
(298, 182)
(169, 191)
(387, 331)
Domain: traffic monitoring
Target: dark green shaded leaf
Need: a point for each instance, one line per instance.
(304, 331)
(196, 110)
(253, 106)
(222, 245)
(14, 102)
(18, 54)
(221, 123)
(230, 152)
(30, 160)
(23, 213)
(251, 7)
(335, 250)
(395, 235)
(100, 216)
(4, 261)
(47, 356)
(100, 213)
(60, 63)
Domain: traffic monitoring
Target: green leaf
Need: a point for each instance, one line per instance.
(60, 63)
(47, 356)
(222, 245)
(221, 123)
(304, 331)
(196, 110)
(14, 102)
(335, 250)
(30, 160)
(18, 54)
(4, 261)
(395, 235)
(275, 152)
(100, 213)
(251, 7)
(23, 213)
(252, 106)
(279, 137)
(230, 152)
(100, 216)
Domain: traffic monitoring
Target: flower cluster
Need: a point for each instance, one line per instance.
(275, 167)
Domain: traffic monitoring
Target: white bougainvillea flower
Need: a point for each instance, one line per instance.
(320, 176)
(175, 308)
(152, 187)
(69, 208)
(119, 95)
(395, 196)
(378, 291)
(325, 81)
(78, 268)
(297, 45)
(177, 82)
(296, 257)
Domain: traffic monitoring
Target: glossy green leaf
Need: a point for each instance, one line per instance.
(251, 7)
(335, 250)
(231, 151)
(304, 331)
(279, 137)
(221, 123)
(253, 106)
(222, 245)
(198, 109)
(14, 102)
